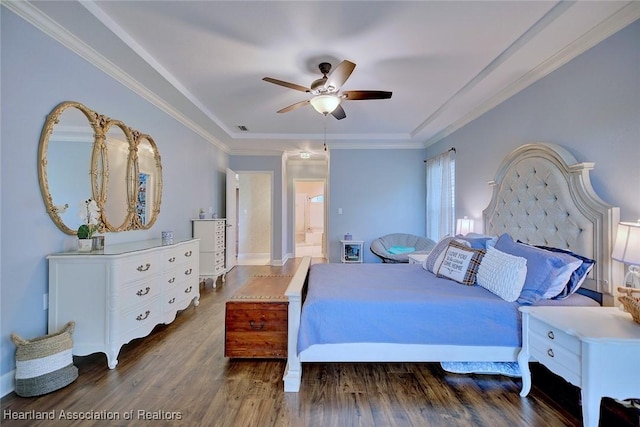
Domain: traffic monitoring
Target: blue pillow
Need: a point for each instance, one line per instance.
(478, 241)
(547, 272)
(577, 277)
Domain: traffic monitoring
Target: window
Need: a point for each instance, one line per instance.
(440, 203)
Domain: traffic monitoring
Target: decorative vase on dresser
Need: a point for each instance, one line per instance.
(122, 292)
(212, 234)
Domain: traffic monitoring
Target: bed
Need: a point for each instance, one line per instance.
(402, 313)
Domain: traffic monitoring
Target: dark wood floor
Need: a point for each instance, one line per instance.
(179, 374)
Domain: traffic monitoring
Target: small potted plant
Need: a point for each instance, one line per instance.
(201, 213)
(89, 213)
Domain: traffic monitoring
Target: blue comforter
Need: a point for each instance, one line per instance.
(402, 303)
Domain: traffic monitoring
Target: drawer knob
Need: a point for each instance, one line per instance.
(144, 267)
(188, 272)
(141, 292)
(172, 259)
(256, 327)
(188, 290)
(550, 335)
(142, 317)
(173, 279)
(188, 253)
(172, 300)
(550, 352)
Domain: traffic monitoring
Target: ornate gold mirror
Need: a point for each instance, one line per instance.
(82, 155)
(117, 169)
(66, 161)
(149, 182)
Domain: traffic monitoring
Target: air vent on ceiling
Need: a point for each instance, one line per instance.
(243, 128)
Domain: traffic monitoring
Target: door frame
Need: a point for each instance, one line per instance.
(269, 174)
(325, 213)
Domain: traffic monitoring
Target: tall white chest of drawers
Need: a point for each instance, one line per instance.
(213, 237)
(121, 293)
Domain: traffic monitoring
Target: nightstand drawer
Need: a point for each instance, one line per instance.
(555, 337)
(557, 358)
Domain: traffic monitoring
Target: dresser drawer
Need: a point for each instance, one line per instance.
(179, 296)
(139, 292)
(138, 267)
(139, 320)
(180, 254)
(219, 243)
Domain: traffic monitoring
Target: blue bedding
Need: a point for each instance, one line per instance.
(401, 304)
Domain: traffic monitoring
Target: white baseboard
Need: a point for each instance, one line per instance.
(249, 256)
(7, 383)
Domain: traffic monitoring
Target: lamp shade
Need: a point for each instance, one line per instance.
(325, 104)
(627, 246)
(464, 225)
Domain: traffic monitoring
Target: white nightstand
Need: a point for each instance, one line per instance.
(594, 348)
(417, 258)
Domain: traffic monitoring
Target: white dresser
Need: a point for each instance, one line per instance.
(121, 293)
(213, 237)
(594, 348)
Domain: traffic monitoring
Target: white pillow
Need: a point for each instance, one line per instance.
(502, 273)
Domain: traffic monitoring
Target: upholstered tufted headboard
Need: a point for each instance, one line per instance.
(543, 196)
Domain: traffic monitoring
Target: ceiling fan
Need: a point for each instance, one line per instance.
(326, 90)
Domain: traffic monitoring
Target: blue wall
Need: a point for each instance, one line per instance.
(37, 73)
(379, 191)
(590, 106)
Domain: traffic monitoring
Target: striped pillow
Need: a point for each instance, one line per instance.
(44, 364)
(502, 273)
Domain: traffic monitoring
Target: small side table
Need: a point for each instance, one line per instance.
(417, 258)
(351, 251)
(594, 348)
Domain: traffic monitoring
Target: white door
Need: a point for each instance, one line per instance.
(232, 215)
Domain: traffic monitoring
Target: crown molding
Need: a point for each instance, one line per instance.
(616, 22)
(41, 21)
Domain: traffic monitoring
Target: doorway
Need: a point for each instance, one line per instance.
(309, 218)
(254, 213)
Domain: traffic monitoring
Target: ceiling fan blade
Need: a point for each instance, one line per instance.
(340, 75)
(286, 84)
(354, 95)
(339, 113)
(294, 106)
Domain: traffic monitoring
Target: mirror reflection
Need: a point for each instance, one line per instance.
(66, 155)
(116, 171)
(149, 182)
(82, 155)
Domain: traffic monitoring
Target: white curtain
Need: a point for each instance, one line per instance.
(440, 201)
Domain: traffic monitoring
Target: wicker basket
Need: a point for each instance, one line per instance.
(44, 364)
(630, 302)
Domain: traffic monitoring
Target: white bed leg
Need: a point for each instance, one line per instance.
(293, 371)
(292, 378)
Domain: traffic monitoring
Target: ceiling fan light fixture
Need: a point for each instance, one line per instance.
(325, 104)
